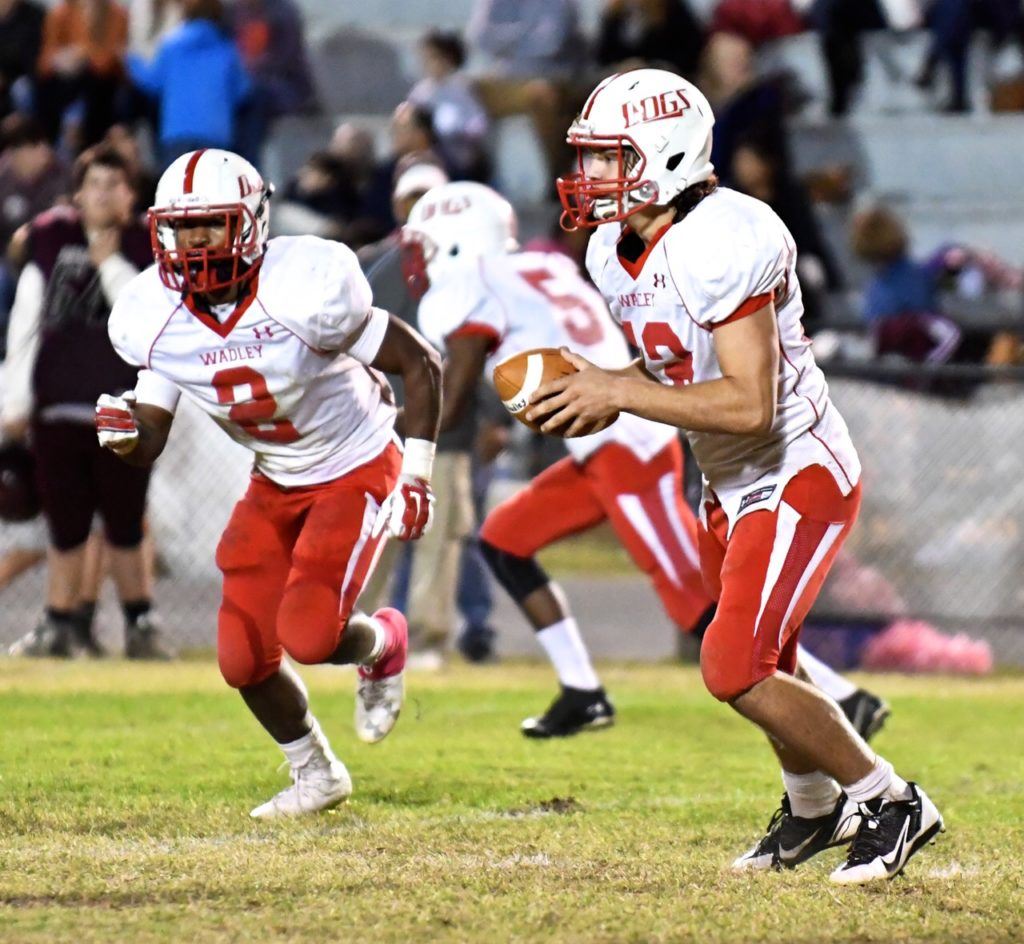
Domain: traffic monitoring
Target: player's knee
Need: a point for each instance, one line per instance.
(241, 669)
(308, 624)
(726, 673)
(520, 576)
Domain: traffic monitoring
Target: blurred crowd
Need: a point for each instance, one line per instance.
(130, 86)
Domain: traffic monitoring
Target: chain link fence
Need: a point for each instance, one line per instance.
(940, 534)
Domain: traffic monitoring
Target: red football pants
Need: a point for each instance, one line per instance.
(294, 561)
(643, 502)
(766, 576)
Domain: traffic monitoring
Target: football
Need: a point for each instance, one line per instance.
(518, 376)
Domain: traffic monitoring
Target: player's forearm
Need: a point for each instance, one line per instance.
(634, 369)
(421, 378)
(725, 405)
(147, 448)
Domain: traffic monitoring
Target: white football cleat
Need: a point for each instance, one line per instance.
(380, 689)
(315, 786)
(890, 832)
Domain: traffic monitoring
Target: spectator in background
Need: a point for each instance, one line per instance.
(269, 35)
(318, 200)
(757, 170)
(149, 21)
(664, 33)
(84, 43)
(198, 81)
(353, 145)
(458, 118)
(536, 50)
(122, 140)
(32, 179)
(60, 360)
(411, 132)
(21, 35)
(841, 25)
(745, 105)
(757, 21)
(900, 300)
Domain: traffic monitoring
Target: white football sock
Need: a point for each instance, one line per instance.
(811, 795)
(565, 649)
(882, 780)
(312, 747)
(824, 676)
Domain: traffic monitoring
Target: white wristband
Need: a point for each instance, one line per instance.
(418, 460)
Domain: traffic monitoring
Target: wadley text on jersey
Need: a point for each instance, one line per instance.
(229, 355)
(636, 300)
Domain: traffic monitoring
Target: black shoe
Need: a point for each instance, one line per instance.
(476, 643)
(142, 641)
(890, 832)
(574, 710)
(48, 640)
(867, 713)
(83, 641)
(790, 840)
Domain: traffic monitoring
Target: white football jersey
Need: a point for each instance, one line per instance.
(538, 299)
(725, 259)
(284, 372)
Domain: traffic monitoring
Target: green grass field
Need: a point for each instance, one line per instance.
(125, 794)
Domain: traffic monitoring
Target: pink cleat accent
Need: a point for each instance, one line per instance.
(396, 647)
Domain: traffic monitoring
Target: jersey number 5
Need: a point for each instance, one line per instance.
(658, 334)
(255, 415)
(579, 321)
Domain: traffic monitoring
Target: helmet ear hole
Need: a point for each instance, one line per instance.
(454, 251)
(673, 162)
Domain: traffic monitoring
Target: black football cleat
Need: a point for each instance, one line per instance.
(890, 832)
(867, 712)
(574, 710)
(790, 840)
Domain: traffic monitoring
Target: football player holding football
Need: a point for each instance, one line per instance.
(483, 301)
(279, 342)
(703, 281)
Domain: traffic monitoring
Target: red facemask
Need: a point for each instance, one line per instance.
(206, 269)
(414, 264)
(579, 193)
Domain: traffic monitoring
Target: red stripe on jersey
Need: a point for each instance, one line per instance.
(190, 169)
(752, 304)
(475, 329)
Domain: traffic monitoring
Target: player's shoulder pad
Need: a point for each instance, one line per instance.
(308, 283)
(140, 313)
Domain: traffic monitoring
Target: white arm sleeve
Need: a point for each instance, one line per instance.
(365, 347)
(157, 391)
(115, 273)
(23, 343)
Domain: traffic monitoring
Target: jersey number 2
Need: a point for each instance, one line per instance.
(255, 415)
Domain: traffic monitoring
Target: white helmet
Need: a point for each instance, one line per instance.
(220, 185)
(658, 124)
(453, 224)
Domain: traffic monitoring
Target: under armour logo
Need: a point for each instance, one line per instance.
(659, 280)
(259, 332)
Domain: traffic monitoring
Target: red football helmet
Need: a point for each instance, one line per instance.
(221, 189)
